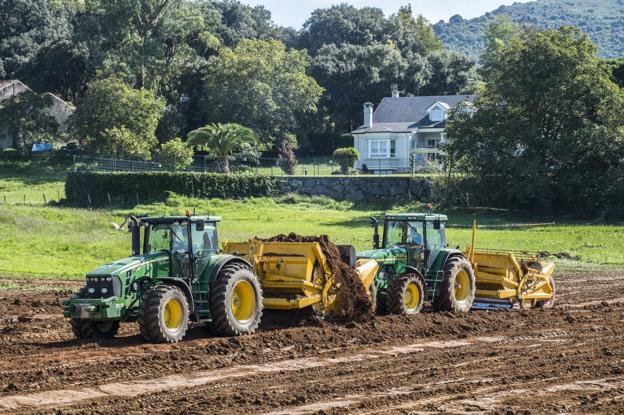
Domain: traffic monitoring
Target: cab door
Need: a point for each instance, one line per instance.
(415, 240)
(205, 244)
(436, 240)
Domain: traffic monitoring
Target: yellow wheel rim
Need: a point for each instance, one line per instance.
(173, 314)
(243, 301)
(462, 286)
(411, 296)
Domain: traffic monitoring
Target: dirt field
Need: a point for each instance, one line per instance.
(566, 360)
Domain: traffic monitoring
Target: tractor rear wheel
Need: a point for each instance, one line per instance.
(163, 314)
(236, 301)
(458, 287)
(405, 295)
(88, 329)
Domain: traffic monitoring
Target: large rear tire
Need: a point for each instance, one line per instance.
(163, 314)
(406, 295)
(458, 287)
(236, 301)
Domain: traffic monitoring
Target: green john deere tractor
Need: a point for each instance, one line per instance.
(415, 265)
(176, 274)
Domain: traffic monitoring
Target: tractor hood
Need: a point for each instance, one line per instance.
(129, 264)
(384, 256)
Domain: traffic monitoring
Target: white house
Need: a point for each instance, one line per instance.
(404, 130)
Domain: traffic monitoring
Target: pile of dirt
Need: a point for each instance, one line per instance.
(355, 305)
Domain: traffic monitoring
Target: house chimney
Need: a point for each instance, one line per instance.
(394, 88)
(368, 115)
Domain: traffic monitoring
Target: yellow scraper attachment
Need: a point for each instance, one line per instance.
(295, 275)
(520, 278)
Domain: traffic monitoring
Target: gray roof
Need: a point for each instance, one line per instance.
(407, 114)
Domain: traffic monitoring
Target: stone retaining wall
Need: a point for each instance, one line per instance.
(358, 189)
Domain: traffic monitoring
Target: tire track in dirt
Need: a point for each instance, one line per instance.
(566, 358)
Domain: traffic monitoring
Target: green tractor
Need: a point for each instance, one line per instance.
(176, 274)
(416, 265)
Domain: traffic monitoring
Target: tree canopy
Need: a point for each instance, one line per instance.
(547, 129)
(260, 84)
(117, 120)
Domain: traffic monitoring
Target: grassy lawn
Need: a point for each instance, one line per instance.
(60, 242)
(29, 181)
(52, 242)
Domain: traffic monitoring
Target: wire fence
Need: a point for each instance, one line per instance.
(206, 164)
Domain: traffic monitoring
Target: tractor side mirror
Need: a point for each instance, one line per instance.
(199, 225)
(437, 225)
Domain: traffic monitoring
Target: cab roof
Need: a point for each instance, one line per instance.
(416, 216)
(172, 219)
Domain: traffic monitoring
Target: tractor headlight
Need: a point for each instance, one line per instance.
(91, 290)
(104, 290)
(109, 279)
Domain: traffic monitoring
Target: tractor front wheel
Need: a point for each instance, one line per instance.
(458, 287)
(405, 295)
(88, 329)
(163, 314)
(236, 301)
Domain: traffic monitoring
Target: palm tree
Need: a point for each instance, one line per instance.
(223, 140)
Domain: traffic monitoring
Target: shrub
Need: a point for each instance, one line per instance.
(287, 158)
(346, 157)
(126, 187)
(175, 155)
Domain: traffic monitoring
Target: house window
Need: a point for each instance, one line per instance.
(392, 148)
(431, 157)
(379, 149)
(431, 143)
(437, 115)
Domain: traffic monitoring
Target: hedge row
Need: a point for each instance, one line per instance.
(98, 188)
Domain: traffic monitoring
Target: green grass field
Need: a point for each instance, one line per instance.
(53, 242)
(29, 181)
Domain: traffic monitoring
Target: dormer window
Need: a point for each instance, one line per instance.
(437, 115)
(437, 112)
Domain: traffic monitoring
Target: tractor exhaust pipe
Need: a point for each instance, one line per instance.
(375, 224)
(134, 227)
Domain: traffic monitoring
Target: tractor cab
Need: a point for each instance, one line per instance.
(419, 235)
(189, 241)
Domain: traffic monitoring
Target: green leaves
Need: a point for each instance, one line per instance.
(262, 85)
(346, 157)
(547, 130)
(175, 155)
(127, 187)
(117, 120)
(222, 140)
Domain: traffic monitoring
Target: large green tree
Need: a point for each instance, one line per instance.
(27, 26)
(547, 130)
(262, 85)
(117, 120)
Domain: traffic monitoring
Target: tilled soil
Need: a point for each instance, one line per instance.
(569, 359)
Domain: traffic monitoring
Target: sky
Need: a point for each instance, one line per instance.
(295, 12)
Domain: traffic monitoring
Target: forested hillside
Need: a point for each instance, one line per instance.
(603, 20)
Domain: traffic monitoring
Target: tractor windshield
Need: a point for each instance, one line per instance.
(403, 233)
(168, 237)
